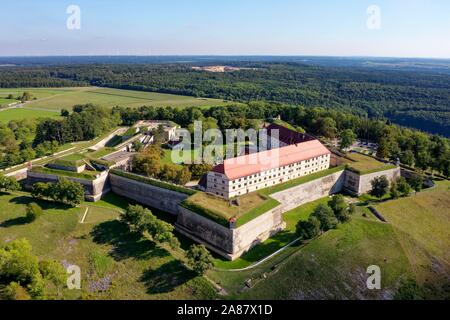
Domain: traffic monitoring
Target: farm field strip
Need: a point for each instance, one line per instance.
(108, 97)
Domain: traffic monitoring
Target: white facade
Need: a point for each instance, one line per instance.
(219, 185)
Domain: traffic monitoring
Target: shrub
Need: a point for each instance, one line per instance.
(33, 211)
(8, 183)
(393, 191)
(40, 190)
(64, 191)
(140, 220)
(340, 208)
(416, 182)
(26, 276)
(54, 271)
(326, 217)
(308, 229)
(403, 187)
(380, 187)
(409, 290)
(14, 291)
(199, 259)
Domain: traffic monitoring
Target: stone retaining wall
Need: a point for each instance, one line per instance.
(76, 169)
(94, 189)
(360, 184)
(310, 191)
(229, 243)
(147, 194)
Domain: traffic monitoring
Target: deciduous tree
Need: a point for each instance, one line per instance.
(326, 217)
(199, 259)
(380, 187)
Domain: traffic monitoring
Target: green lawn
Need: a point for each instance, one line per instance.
(22, 113)
(101, 153)
(103, 249)
(274, 243)
(331, 267)
(422, 223)
(414, 244)
(5, 102)
(363, 164)
(86, 174)
(220, 210)
(73, 157)
(116, 97)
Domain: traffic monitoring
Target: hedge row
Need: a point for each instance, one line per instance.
(363, 173)
(63, 173)
(153, 182)
(209, 214)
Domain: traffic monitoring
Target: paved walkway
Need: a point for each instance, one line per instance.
(263, 260)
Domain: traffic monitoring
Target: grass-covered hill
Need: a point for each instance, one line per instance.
(413, 245)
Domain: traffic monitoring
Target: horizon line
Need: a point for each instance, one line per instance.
(225, 55)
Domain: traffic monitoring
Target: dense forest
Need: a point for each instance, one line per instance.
(24, 140)
(417, 99)
(27, 139)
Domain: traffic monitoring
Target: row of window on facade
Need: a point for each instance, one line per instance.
(269, 178)
(272, 171)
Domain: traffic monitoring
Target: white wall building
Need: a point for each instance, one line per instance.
(253, 172)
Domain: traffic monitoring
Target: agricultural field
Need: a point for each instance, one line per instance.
(67, 98)
(131, 267)
(38, 93)
(4, 101)
(25, 113)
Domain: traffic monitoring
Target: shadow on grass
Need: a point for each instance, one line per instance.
(126, 244)
(167, 277)
(123, 203)
(15, 222)
(117, 201)
(46, 205)
(266, 248)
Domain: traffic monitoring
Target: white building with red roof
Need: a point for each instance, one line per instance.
(298, 155)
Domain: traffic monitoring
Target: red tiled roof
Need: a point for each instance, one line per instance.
(250, 164)
(288, 136)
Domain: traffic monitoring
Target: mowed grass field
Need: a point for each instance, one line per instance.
(133, 267)
(414, 244)
(57, 99)
(37, 93)
(422, 224)
(4, 101)
(365, 164)
(25, 113)
(334, 266)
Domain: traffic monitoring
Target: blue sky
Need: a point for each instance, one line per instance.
(409, 28)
